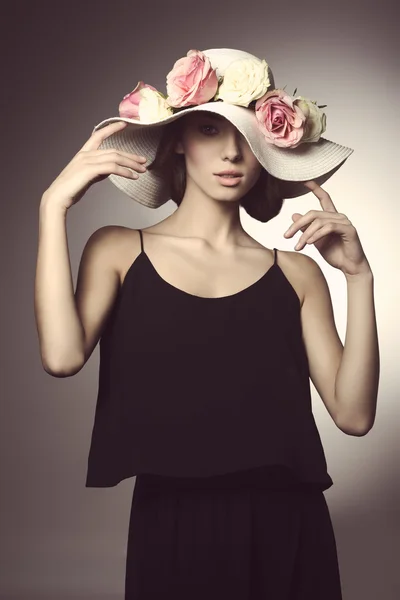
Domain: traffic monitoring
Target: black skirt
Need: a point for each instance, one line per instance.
(251, 535)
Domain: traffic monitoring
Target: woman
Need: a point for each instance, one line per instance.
(208, 338)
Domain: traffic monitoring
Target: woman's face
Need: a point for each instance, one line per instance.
(211, 144)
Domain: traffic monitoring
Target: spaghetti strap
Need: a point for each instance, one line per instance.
(275, 255)
(141, 239)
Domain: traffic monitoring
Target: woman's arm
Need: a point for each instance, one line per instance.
(357, 379)
(60, 331)
(350, 374)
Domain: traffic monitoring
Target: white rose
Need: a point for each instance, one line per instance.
(315, 124)
(153, 106)
(244, 80)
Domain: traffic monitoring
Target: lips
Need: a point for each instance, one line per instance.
(229, 180)
(230, 174)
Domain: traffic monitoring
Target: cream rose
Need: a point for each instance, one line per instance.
(315, 124)
(244, 80)
(153, 106)
(129, 105)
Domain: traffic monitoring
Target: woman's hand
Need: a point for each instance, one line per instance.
(332, 233)
(90, 165)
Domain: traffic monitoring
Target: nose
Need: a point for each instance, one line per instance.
(232, 145)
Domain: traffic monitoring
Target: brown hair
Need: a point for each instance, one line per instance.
(262, 202)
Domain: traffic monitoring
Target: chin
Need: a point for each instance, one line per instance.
(231, 193)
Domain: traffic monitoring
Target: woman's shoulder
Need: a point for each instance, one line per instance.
(122, 244)
(298, 268)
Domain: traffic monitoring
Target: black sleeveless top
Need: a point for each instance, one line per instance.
(197, 387)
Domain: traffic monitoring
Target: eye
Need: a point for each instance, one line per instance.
(205, 127)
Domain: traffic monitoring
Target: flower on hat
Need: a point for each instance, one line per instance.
(191, 81)
(280, 120)
(315, 124)
(153, 106)
(244, 80)
(129, 105)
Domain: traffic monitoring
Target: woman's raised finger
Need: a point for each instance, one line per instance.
(100, 135)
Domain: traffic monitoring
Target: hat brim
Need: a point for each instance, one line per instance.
(316, 161)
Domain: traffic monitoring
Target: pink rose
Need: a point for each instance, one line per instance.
(191, 81)
(280, 120)
(129, 105)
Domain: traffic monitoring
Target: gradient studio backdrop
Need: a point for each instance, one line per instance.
(67, 66)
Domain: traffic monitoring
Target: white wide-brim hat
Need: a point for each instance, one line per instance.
(290, 166)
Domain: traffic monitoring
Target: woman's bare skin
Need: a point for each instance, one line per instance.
(191, 266)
